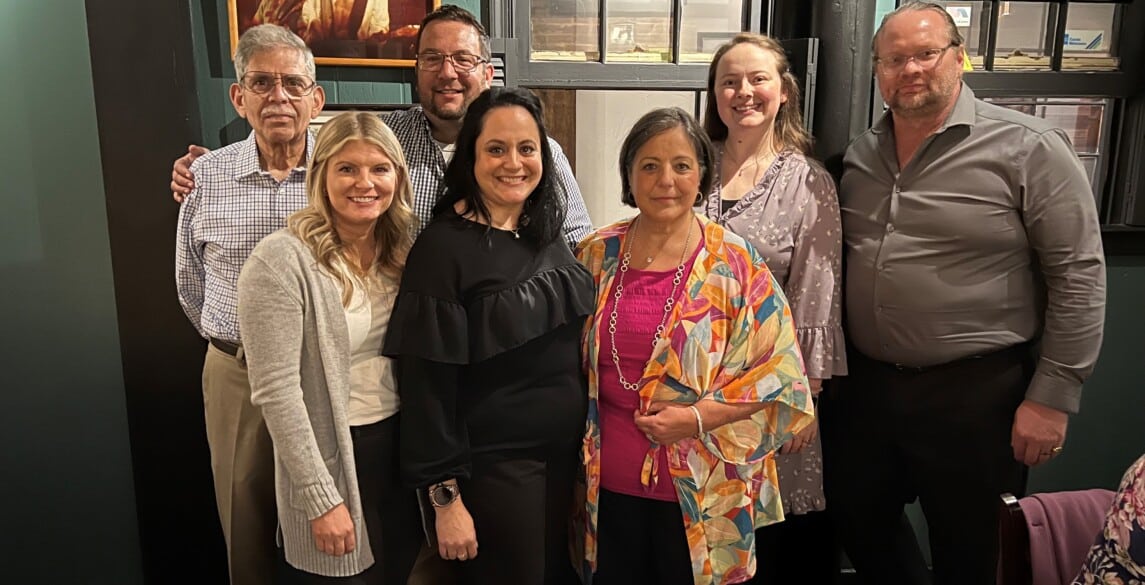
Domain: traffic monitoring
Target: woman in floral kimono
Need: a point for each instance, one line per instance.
(695, 376)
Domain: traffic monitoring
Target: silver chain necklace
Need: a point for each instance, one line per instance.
(668, 304)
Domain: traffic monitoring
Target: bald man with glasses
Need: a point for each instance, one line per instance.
(975, 291)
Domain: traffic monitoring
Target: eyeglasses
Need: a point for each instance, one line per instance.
(926, 59)
(261, 83)
(462, 62)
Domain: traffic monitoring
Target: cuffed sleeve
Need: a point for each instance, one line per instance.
(1060, 216)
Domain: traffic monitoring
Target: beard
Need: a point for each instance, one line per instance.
(919, 104)
(932, 100)
(446, 114)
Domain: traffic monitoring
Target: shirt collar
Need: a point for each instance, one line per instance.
(247, 160)
(963, 113)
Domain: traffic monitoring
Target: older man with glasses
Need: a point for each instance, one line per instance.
(975, 292)
(244, 192)
(452, 69)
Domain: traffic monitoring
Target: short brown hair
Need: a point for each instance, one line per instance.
(452, 13)
(655, 123)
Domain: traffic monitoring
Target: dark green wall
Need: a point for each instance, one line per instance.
(344, 85)
(67, 482)
(1109, 432)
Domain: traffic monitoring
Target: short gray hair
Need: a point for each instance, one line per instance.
(268, 37)
(918, 6)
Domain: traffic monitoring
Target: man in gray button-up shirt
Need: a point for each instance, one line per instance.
(975, 291)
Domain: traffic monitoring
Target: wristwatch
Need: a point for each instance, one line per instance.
(443, 494)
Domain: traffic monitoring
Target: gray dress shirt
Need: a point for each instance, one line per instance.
(988, 238)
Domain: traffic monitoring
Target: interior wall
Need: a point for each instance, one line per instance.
(67, 481)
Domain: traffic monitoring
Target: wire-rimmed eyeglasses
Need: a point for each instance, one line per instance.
(926, 59)
(262, 83)
(462, 62)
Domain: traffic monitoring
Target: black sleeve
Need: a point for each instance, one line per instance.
(434, 439)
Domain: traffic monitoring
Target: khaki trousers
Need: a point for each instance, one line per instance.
(242, 460)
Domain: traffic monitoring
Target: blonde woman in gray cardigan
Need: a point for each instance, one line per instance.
(314, 303)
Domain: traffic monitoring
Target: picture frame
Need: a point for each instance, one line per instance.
(364, 33)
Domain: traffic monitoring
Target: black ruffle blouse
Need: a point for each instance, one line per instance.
(486, 334)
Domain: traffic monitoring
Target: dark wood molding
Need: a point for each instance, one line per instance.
(147, 113)
(560, 118)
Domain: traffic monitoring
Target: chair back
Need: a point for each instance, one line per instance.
(1044, 538)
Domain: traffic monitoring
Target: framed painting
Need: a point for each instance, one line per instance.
(372, 33)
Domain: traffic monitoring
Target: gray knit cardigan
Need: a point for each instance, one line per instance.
(297, 345)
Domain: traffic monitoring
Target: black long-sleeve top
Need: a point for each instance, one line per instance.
(486, 334)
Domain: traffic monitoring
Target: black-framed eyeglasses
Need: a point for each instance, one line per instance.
(926, 59)
(462, 62)
(262, 83)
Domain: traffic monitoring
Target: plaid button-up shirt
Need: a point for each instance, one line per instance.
(427, 168)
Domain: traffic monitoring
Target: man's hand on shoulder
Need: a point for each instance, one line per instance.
(182, 181)
(1038, 432)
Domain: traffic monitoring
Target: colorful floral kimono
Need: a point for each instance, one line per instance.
(732, 341)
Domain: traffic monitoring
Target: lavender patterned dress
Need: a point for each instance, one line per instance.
(791, 216)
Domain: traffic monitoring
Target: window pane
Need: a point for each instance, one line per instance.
(706, 25)
(1081, 118)
(970, 18)
(1022, 42)
(565, 30)
(639, 31)
(1089, 37)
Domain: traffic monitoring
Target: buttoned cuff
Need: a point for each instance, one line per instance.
(1063, 395)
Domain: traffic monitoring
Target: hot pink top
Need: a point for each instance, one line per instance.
(622, 445)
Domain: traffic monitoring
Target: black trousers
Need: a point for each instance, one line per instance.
(521, 505)
(641, 542)
(941, 435)
(802, 549)
(393, 522)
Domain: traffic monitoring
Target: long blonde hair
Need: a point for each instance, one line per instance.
(788, 132)
(314, 224)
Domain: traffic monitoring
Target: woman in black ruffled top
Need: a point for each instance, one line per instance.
(486, 332)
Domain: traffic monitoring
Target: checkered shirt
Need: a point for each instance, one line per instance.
(233, 206)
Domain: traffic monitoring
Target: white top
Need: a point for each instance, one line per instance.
(373, 388)
(446, 149)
